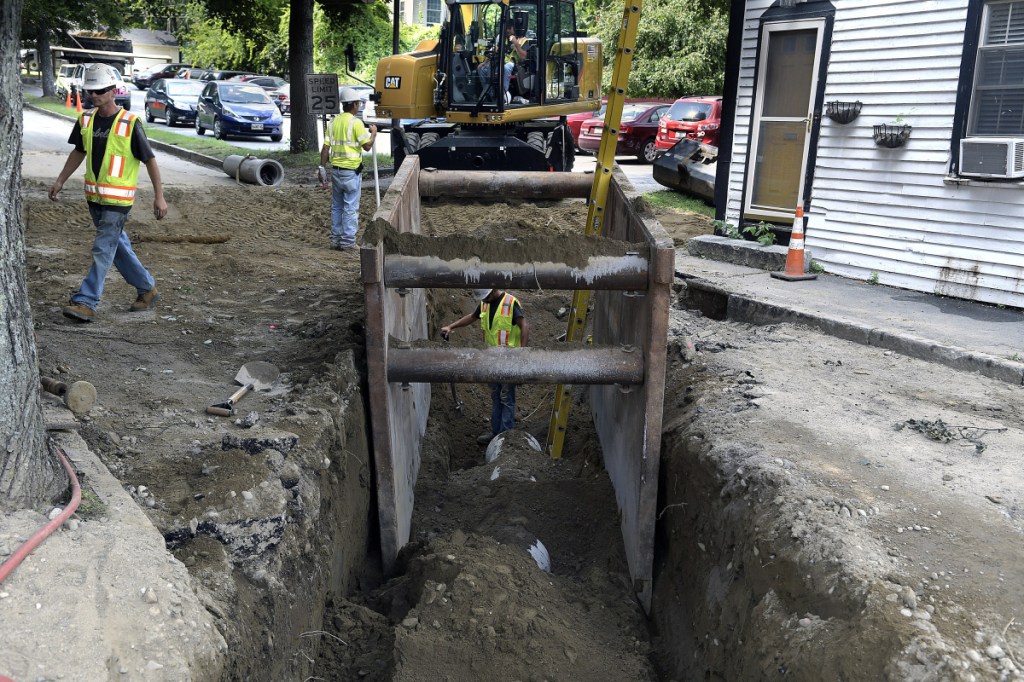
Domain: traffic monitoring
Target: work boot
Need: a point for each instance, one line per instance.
(484, 438)
(79, 312)
(145, 301)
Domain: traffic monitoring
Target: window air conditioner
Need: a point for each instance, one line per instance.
(992, 157)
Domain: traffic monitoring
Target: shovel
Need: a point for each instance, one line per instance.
(253, 376)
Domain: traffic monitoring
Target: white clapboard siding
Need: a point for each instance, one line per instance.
(893, 211)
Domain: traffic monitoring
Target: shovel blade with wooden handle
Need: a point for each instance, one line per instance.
(253, 376)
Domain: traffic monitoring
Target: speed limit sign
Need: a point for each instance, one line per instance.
(322, 93)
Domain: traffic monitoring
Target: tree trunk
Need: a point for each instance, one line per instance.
(45, 57)
(28, 476)
(300, 62)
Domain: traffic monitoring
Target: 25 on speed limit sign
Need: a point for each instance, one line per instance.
(322, 93)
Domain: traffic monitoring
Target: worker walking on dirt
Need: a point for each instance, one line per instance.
(346, 140)
(113, 143)
(502, 321)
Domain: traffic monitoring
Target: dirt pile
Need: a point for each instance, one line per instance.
(805, 528)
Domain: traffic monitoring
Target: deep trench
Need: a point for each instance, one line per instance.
(720, 612)
(694, 593)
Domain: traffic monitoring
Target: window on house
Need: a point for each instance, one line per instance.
(434, 11)
(997, 104)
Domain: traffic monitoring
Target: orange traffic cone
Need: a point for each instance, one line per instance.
(67, 100)
(78, 101)
(794, 271)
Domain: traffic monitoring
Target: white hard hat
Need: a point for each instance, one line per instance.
(98, 76)
(480, 294)
(349, 95)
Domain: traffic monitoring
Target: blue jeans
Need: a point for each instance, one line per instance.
(345, 185)
(506, 74)
(111, 247)
(503, 408)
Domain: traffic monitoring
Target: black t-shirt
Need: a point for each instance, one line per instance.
(101, 126)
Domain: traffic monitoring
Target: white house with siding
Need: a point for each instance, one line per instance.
(941, 213)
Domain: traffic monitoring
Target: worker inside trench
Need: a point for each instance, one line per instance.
(515, 568)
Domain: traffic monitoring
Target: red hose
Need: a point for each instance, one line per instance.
(7, 567)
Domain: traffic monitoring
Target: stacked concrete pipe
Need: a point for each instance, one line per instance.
(265, 172)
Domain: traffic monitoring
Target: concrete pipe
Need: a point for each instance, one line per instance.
(265, 172)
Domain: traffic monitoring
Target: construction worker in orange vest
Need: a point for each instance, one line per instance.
(503, 324)
(113, 144)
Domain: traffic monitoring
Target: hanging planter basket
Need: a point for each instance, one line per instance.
(842, 112)
(892, 136)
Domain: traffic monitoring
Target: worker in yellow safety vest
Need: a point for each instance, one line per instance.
(113, 143)
(503, 324)
(347, 137)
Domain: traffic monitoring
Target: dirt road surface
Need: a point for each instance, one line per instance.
(801, 533)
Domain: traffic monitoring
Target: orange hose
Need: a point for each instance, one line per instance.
(8, 566)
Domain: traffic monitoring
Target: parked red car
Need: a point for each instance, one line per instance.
(637, 130)
(697, 118)
(576, 121)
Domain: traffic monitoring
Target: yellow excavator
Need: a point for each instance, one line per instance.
(493, 91)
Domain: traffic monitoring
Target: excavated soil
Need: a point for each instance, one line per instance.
(799, 533)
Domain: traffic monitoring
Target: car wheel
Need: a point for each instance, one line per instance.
(218, 130)
(200, 130)
(648, 152)
(128, 105)
(170, 120)
(149, 115)
(276, 138)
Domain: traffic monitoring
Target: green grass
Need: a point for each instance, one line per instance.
(679, 202)
(210, 146)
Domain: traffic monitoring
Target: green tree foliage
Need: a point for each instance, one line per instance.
(680, 46)
(60, 16)
(368, 29)
(257, 42)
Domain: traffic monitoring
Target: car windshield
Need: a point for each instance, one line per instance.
(244, 94)
(189, 89)
(688, 111)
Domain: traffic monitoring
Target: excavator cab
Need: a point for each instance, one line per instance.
(493, 91)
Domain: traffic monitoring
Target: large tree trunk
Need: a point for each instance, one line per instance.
(28, 476)
(45, 57)
(300, 62)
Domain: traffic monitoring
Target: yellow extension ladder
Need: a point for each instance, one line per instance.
(595, 212)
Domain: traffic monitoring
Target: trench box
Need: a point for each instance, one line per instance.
(624, 367)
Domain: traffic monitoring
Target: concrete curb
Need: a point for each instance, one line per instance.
(719, 303)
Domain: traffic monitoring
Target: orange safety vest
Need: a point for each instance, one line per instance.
(500, 331)
(119, 171)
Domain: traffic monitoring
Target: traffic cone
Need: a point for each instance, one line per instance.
(78, 101)
(794, 271)
(67, 100)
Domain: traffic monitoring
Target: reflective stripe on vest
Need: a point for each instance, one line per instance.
(345, 149)
(119, 170)
(500, 332)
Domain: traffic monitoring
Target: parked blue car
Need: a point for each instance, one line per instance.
(230, 108)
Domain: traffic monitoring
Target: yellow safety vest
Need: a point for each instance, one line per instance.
(348, 135)
(119, 171)
(500, 332)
